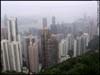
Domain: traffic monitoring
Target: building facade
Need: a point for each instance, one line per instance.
(44, 40)
(12, 47)
(52, 50)
(33, 55)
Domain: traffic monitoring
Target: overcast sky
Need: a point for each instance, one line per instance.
(67, 11)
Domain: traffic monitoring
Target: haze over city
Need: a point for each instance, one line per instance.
(64, 11)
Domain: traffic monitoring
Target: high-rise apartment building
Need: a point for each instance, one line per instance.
(63, 50)
(12, 29)
(14, 47)
(80, 44)
(5, 55)
(84, 42)
(69, 39)
(75, 47)
(16, 56)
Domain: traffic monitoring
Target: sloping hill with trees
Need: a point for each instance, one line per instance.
(85, 64)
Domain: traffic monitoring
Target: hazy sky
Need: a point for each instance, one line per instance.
(66, 11)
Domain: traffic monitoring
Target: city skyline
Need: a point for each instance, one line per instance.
(32, 50)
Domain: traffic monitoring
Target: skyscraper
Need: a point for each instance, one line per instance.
(26, 41)
(70, 41)
(53, 20)
(75, 46)
(84, 42)
(16, 56)
(53, 25)
(44, 22)
(52, 50)
(80, 44)
(63, 49)
(5, 55)
(98, 30)
(12, 29)
(44, 39)
(33, 55)
(14, 47)
(78, 51)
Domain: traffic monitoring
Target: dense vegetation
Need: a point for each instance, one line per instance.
(85, 64)
(13, 73)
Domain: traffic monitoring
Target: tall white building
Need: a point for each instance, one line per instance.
(85, 40)
(12, 29)
(64, 46)
(15, 51)
(13, 47)
(70, 41)
(75, 47)
(80, 44)
(63, 50)
(78, 47)
(5, 55)
(98, 30)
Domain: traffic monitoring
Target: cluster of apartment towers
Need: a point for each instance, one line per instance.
(52, 51)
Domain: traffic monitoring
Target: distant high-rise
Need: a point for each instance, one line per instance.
(98, 30)
(53, 25)
(5, 20)
(75, 46)
(78, 48)
(62, 51)
(69, 39)
(98, 14)
(52, 50)
(92, 28)
(26, 42)
(84, 42)
(80, 44)
(44, 22)
(44, 39)
(53, 20)
(4, 33)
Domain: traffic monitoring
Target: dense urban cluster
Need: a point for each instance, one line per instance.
(40, 49)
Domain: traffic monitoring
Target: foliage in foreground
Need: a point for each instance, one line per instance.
(13, 73)
(85, 64)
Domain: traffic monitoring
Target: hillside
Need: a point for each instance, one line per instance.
(85, 64)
